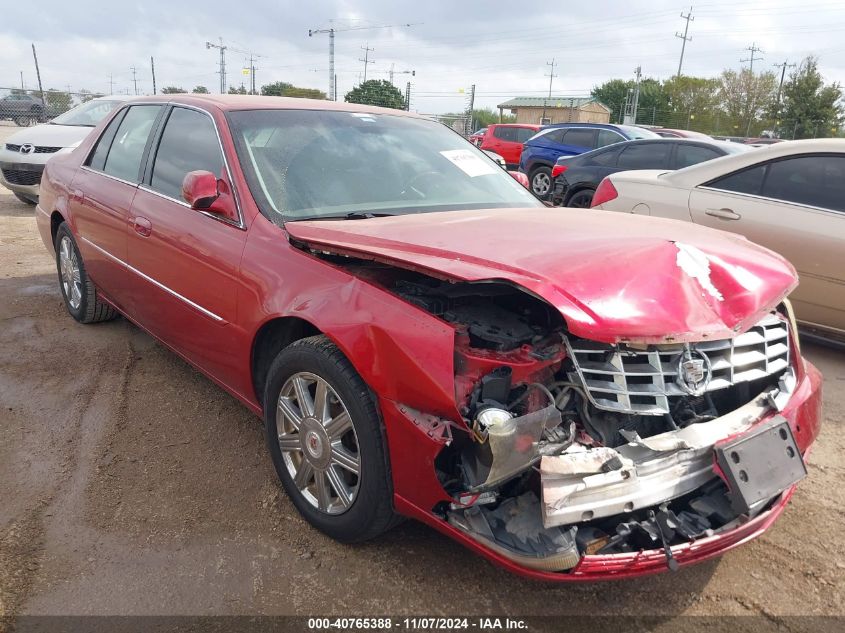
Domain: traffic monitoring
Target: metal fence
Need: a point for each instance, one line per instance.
(28, 107)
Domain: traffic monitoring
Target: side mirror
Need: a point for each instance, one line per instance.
(200, 190)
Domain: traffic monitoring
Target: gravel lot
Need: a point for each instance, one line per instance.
(130, 484)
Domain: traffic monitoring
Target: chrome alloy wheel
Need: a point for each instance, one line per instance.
(542, 183)
(70, 276)
(318, 443)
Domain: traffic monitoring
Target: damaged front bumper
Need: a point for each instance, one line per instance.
(802, 413)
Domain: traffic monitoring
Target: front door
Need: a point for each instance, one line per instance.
(186, 262)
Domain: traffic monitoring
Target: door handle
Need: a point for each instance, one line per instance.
(143, 227)
(724, 214)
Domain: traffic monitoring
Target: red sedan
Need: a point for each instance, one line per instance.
(574, 394)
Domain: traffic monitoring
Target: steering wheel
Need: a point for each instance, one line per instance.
(417, 177)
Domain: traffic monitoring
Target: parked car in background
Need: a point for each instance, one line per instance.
(666, 132)
(762, 142)
(789, 197)
(543, 149)
(507, 139)
(422, 337)
(576, 177)
(475, 137)
(23, 109)
(24, 154)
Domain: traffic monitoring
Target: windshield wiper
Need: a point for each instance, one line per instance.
(352, 215)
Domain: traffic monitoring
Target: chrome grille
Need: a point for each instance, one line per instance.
(38, 149)
(618, 378)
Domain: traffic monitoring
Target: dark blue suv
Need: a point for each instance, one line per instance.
(569, 139)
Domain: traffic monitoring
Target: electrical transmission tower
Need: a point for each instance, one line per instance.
(222, 70)
(689, 18)
(331, 33)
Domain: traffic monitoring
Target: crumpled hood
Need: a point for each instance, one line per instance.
(614, 277)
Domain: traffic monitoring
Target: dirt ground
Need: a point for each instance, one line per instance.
(130, 484)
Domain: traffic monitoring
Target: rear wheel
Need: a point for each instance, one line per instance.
(325, 438)
(78, 291)
(581, 199)
(24, 120)
(541, 182)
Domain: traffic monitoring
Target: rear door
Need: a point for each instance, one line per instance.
(101, 195)
(185, 261)
(796, 207)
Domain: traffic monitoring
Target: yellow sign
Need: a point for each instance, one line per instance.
(245, 71)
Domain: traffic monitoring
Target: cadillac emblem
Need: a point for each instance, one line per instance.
(694, 372)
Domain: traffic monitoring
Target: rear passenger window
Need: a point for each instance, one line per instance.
(606, 159)
(818, 181)
(686, 155)
(505, 133)
(555, 136)
(127, 148)
(580, 138)
(523, 134)
(746, 181)
(98, 158)
(645, 156)
(608, 137)
(188, 143)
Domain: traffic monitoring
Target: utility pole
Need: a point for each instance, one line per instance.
(783, 66)
(470, 106)
(408, 96)
(38, 73)
(22, 86)
(551, 77)
(754, 50)
(153, 71)
(134, 79)
(638, 71)
(111, 84)
(689, 18)
(367, 61)
(222, 71)
(392, 72)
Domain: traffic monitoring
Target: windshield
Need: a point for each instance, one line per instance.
(86, 114)
(312, 164)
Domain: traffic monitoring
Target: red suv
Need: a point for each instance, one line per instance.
(506, 140)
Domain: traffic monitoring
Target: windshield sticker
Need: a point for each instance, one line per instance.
(469, 163)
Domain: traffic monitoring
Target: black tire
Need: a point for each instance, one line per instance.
(26, 199)
(541, 182)
(580, 199)
(90, 308)
(23, 121)
(371, 511)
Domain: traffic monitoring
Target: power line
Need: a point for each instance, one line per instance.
(689, 18)
(222, 70)
(754, 50)
(134, 78)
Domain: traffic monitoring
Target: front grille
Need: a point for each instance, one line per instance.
(22, 176)
(39, 149)
(618, 378)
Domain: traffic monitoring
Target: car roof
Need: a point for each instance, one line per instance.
(730, 147)
(530, 126)
(231, 103)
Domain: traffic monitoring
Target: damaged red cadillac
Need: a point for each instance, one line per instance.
(574, 394)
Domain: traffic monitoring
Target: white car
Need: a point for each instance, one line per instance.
(24, 154)
(789, 197)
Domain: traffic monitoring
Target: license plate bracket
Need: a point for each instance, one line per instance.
(760, 464)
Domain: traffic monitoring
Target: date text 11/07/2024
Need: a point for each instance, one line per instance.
(418, 624)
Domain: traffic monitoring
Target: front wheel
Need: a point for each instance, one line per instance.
(326, 442)
(541, 182)
(78, 291)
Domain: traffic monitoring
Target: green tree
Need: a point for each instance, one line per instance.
(652, 102)
(200, 90)
(483, 118)
(377, 92)
(237, 91)
(745, 100)
(809, 107)
(284, 89)
(173, 90)
(692, 103)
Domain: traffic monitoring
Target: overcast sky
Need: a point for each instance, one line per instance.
(501, 47)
